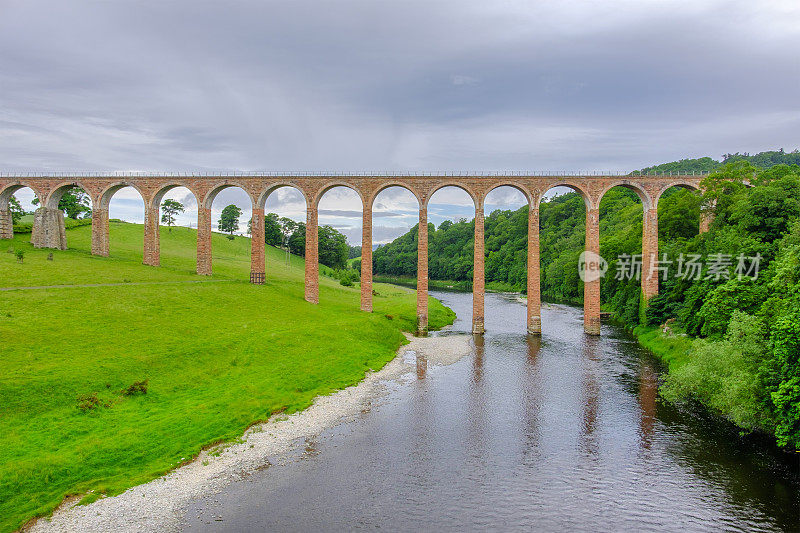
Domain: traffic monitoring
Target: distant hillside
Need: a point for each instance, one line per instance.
(707, 164)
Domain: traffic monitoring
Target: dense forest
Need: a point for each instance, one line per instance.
(740, 329)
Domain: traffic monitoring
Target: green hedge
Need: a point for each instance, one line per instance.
(69, 223)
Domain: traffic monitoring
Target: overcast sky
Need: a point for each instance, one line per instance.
(378, 85)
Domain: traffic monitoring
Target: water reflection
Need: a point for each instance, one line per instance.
(648, 394)
(422, 366)
(477, 358)
(524, 433)
(591, 394)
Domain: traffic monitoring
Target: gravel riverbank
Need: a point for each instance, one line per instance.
(160, 504)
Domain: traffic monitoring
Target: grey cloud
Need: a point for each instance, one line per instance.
(340, 213)
(363, 85)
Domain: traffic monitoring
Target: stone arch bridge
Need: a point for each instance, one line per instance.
(48, 230)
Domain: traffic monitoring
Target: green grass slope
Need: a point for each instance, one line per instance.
(217, 357)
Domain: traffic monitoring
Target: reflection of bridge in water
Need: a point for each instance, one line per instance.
(48, 230)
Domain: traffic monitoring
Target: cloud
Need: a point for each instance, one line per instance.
(360, 85)
(460, 79)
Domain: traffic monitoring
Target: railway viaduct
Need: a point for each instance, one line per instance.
(48, 229)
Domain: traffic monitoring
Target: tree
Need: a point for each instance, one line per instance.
(74, 202)
(169, 210)
(288, 229)
(273, 232)
(229, 220)
(16, 210)
(297, 239)
(333, 248)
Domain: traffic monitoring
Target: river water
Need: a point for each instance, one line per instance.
(562, 433)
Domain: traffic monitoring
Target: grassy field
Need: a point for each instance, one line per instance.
(674, 350)
(216, 356)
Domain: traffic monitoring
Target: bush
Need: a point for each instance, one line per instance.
(725, 375)
(138, 387)
(89, 402)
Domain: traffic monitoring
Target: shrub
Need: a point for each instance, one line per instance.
(138, 387)
(89, 402)
(724, 375)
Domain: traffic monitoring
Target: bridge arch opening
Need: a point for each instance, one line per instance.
(17, 205)
(183, 215)
(174, 208)
(679, 213)
(395, 213)
(562, 207)
(340, 212)
(121, 208)
(223, 224)
(285, 214)
(506, 212)
(451, 213)
(68, 200)
(622, 212)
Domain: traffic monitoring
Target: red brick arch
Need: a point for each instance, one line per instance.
(476, 201)
(648, 202)
(208, 198)
(333, 184)
(163, 188)
(393, 183)
(522, 188)
(258, 187)
(682, 184)
(55, 194)
(587, 199)
(266, 193)
(104, 199)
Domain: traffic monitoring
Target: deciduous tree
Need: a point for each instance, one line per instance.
(169, 210)
(229, 220)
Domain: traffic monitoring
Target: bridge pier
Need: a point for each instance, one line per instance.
(152, 238)
(48, 229)
(534, 288)
(312, 255)
(706, 218)
(258, 266)
(6, 224)
(204, 240)
(422, 271)
(478, 273)
(100, 232)
(366, 259)
(649, 254)
(591, 287)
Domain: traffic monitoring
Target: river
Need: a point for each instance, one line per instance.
(565, 432)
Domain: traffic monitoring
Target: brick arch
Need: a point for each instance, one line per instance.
(264, 196)
(55, 194)
(163, 189)
(647, 201)
(8, 191)
(105, 196)
(514, 185)
(393, 183)
(681, 184)
(441, 185)
(333, 184)
(212, 193)
(587, 199)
